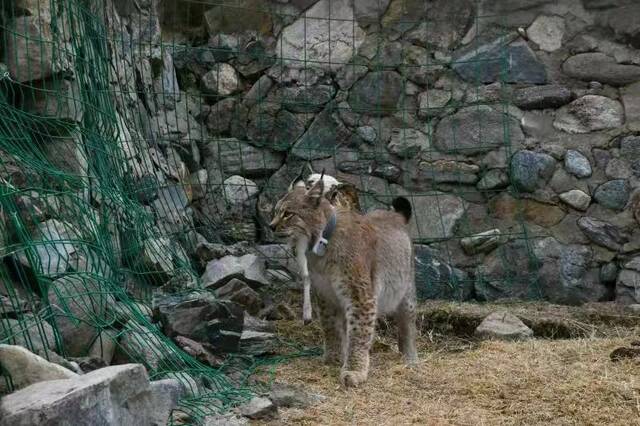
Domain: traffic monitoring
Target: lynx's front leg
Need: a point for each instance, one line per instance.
(361, 321)
(332, 323)
(301, 258)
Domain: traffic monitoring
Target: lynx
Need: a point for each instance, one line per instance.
(360, 267)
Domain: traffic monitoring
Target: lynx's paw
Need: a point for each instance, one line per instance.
(352, 379)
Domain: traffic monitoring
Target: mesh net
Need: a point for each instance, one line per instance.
(123, 148)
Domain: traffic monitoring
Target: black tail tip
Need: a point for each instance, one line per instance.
(402, 206)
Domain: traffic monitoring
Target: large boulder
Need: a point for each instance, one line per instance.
(26, 368)
(29, 49)
(53, 246)
(78, 305)
(316, 40)
(119, 395)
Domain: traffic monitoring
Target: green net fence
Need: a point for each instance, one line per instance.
(134, 135)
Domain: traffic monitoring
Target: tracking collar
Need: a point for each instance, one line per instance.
(320, 247)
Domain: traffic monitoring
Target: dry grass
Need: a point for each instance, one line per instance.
(461, 382)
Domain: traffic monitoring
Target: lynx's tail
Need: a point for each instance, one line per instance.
(402, 206)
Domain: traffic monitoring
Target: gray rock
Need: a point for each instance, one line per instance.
(603, 233)
(222, 80)
(198, 182)
(418, 67)
(164, 398)
(55, 98)
(630, 147)
(236, 157)
(523, 66)
(78, 305)
(628, 287)
(258, 343)
(432, 102)
(444, 24)
(122, 394)
(26, 368)
(547, 32)
(104, 347)
(531, 170)
(493, 179)
(201, 317)
(322, 138)
(287, 396)
(259, 408)
(576, 199)
(254, 57)
(238, 190)
(32, 333)
(258, 91)
(246, 16)
(600, 67)
(408, 143)
(142, 344)
(631, 100)
(475, 130)
(220, 115)
(608, 273)
(503, 326)
(542, 97)
(349, 74)
(53, 247)
(482, 242)
(435, 217)
(248, 268)
(224, 420)
(436, 279)
(315, 39)
(613, 194)
(588, 114)
(367, 133)
(377, 93)
(306, 99)
(367, 12)
(240, 293)
(29, 55)
(577, 164)
(446, 171)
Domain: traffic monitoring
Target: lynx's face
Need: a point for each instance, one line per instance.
(299, 213)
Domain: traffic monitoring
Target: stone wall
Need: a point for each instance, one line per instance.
(513, 127)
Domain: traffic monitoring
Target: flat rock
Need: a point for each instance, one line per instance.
(503, 326)
(259, 408)
(596, 66)
(475, 130)
(248, 268)
(542, 97)
(482, 242)
(589, 113)
(631, 100)
(523, 66)
(286, 396)
(603, 233)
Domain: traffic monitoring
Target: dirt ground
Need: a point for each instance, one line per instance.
(460, 381)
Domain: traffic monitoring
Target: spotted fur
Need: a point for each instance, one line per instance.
(366, 272)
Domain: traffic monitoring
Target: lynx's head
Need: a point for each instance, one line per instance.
(301, 212)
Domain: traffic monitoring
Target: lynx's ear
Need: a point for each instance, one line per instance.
(298, 182)
(316, 192)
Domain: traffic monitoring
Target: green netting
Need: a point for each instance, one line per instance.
(106, 126)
